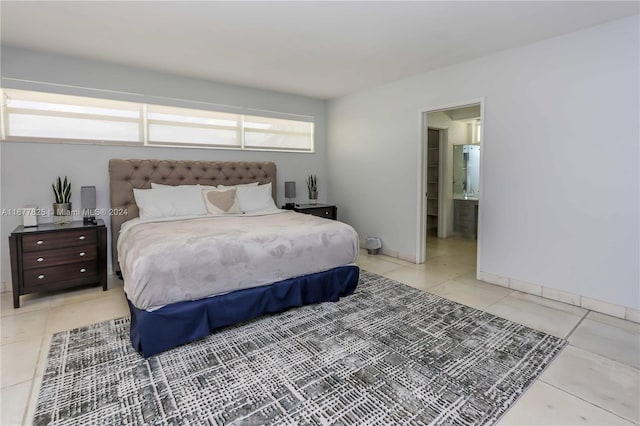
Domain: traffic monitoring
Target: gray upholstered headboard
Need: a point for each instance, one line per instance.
(124, 175)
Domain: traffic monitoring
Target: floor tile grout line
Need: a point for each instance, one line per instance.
(389, 271)
(25, 413)
(24, 339)
(599, 321)
(32, 383)
(500, 299)
(617, 361)
(584, 400)
(577, 325)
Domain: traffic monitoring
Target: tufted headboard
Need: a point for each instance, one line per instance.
(124, 175)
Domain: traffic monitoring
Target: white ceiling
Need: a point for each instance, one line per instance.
(318, 49)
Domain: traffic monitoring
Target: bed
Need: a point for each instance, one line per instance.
(185, 277)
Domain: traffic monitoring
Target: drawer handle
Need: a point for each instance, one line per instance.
(82, 237)
(40, 259)
(41, 276)
(326, 213)
(83, 270)
(82, 254)
(39, 242)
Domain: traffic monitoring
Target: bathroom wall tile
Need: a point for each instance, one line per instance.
(603, 307)
(525, 287)
(561, 296)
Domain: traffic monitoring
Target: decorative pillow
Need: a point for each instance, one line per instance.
(256, 199)
(221, 201)
(170, 202)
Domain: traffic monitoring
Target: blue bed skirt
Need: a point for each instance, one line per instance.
(183, 322)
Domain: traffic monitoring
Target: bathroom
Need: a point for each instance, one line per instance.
(453, 172)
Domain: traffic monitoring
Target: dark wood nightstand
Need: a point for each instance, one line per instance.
(328, 211)
(53, 257)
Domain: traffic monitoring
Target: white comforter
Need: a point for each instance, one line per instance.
(167, 261)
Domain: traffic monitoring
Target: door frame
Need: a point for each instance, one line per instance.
(423, 125)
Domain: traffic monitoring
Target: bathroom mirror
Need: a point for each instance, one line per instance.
(466, 171)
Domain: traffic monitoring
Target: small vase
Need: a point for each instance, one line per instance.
(313, 197)
(62, 213)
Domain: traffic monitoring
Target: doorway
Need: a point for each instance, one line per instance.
(450, 199)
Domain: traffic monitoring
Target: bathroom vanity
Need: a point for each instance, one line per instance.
(465, 216)
(466, 189)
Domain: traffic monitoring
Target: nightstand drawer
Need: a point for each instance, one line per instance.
(328, 211)
(321, 212)
(76, 273)
(51, 240)
(46, 258)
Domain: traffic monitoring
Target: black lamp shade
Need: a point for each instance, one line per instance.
(290, 190)
(88, 198)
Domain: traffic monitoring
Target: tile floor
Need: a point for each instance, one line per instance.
(595, 380)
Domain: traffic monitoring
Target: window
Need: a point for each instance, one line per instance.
(46, 117)
(262, 132)
(181, 126)
(35, 116)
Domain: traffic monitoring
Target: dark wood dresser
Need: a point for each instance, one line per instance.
(53, 257)
(328, 211)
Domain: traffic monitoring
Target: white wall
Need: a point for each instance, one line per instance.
(28, 169)
(560, 159)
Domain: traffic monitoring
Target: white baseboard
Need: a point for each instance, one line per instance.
(618, 311)
(392, 253)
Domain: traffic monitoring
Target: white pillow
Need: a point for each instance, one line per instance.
(170, 202)
(255, 199)
(221, 201)
(162, 185)
(238, 185)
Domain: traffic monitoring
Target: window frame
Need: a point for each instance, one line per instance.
(144, 121)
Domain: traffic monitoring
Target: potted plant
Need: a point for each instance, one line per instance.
(62, 206)
(312, 186)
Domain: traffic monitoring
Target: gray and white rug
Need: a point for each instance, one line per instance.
(388, 354)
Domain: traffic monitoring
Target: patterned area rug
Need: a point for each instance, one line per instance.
(388, 354)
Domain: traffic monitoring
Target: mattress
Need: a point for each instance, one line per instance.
(169, 261)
